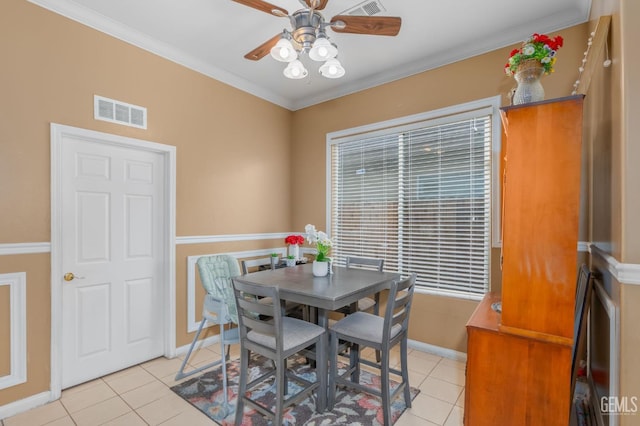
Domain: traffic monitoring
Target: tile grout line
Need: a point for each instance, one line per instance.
(124, 401)
(67, 411)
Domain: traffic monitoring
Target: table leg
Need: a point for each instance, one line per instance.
(323, 321)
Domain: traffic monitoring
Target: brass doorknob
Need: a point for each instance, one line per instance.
(69, 276)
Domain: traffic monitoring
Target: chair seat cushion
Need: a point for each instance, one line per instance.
(294, 333)
(366, 303)
(365, 326)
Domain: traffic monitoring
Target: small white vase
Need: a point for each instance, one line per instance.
(291, 262)
(294, 250)
(275, 261)
(320, 269)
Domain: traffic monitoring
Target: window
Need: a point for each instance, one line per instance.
(418, 192)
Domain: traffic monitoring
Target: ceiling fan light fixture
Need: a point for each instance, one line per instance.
(284, 51)
(332, 69)
(295, 70)
(323, 50)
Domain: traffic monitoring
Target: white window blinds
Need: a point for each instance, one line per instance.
(419, 197)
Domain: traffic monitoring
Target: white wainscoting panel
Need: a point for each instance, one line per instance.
(17, 283)
(614, 346)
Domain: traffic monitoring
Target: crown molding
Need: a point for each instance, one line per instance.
(563, 19)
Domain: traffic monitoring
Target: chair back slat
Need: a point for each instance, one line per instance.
(399, 304)
(254, 316)
(365, 263)
(255, 263)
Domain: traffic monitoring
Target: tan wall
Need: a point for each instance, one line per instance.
(629, 347)
(630, 294)
(613, 109)
(437, 321)
(230, 145)
(630, 13)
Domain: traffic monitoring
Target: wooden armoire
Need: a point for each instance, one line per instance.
(519, 360)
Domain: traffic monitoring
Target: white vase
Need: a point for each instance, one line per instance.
(529, 86)
(291, 262)
(294, 250)
(320, 269)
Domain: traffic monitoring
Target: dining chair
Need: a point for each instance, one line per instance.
(363, 329)
(219, 307)
(276, 338)
(366, 304)
(260, 263)
(263, 262)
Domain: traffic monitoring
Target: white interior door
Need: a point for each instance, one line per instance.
(112, 223)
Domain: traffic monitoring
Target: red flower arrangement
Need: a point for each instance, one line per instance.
(294, 240)
(539, 47)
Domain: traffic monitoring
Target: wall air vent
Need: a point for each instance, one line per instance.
(366, 8)
(106, 109)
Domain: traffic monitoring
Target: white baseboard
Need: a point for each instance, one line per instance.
(203, 343)
(438, 350)
(23, 405)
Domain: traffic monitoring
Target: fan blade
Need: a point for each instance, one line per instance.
(264, 49)
(376, 25)
(321, 4)
(262, 6)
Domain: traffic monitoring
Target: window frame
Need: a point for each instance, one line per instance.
(489, 105)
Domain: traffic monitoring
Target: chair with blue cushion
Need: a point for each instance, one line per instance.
(216, 273)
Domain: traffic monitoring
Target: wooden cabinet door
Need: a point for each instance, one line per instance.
(541, 207)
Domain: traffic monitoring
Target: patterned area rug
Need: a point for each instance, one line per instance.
(205, 392)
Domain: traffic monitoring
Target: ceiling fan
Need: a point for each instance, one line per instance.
(308, 36)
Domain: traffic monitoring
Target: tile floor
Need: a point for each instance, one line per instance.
(140, 395)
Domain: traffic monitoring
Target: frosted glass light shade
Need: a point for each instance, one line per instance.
(332, 69)
(283, 51)
(322, 50)
(295, 70)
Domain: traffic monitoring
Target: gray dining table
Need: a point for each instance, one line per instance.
(341, 288)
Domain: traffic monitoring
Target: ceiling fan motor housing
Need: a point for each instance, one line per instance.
(306, 26)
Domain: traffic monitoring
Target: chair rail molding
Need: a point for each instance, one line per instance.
(17, 283)
(624, 273)
(25, 248)
(204, 239)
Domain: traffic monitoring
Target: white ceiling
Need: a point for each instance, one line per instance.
(212, 37)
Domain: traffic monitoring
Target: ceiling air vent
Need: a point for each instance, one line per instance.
(366, 8)
(106, 109)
